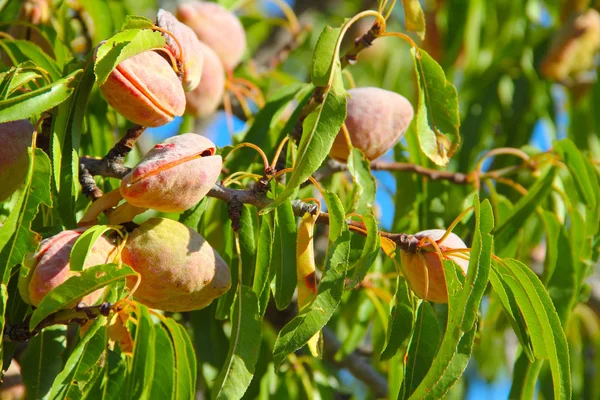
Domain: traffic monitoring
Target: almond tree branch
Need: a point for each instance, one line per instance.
(21, 333)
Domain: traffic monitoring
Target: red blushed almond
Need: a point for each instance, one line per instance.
(145, 90)
(206, 98)
(376, 120)
(52, 264)
(175, 175)
(216, 27)
(186, 48)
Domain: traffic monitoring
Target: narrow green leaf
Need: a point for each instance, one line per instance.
(513, 313)
(185, 382)
(74, 288)
(163, 386)
(67, 129)
(41, 362)
(576, 163)
(324, 56)
(37, 101)
(401, 320)
(262, 272)
(83, 357)
(463, 306)
(137, 22)
(525, 377)
(235, 376)
(24, 50)
(284, 265)
(84, 244)
(438, 120)
(507, 230)
(314, 316)
(337, 216)
(16, 237)
(479, 264)
(414, 18)
(553, 343)
(143, 363)
(369, 251)
(423, 346)
(364, 182)
(319, 131)
(122, 46)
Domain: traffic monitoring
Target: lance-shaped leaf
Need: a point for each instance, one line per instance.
(24, 50)
(41, 362)
(314, 317)
(401, 320)
(262, 271)
(143, 364)
(364, 182)
(83, 357)
(67, 128)
(185, 361)
(235, 375)
(463, 305)
(546, 332)
(76, 287)
(283, 266)
(422, 348)
(506, 232)
(37, 101)
(438, 120)
(165, 369)
(84, 244)
(369, 251)
(322, 125)
(122, 46)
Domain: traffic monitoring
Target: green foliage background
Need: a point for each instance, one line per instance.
(476, 86)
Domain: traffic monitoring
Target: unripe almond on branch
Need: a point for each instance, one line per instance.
(423, 269)
(376, 120)
(50, 266)
(186, 48)
(208, 95)
(15, 137)
(179, 270)
(145, 89)
(218, 28)
(174, 175)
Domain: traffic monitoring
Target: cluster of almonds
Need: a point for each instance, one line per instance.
(148, 91)
(179, 270)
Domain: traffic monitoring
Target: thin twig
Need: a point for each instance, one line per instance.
(21, 333)
(458, 178)
(112, 165)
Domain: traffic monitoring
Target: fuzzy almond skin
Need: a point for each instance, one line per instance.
(415, 264)
(52, 266)
(15, 137)
(179, 270)
(376, 120)
(191, 58)
(174, 175)
(145, 90)
(207, 97)
(218, 28)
